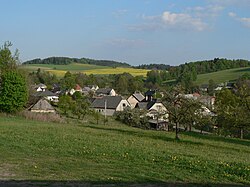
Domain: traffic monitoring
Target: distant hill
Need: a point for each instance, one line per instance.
(154, 66)
(67, 60)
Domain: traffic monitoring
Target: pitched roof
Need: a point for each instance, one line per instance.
(138, 96)
(111, 102)
(103, 90)
(42, 104)
(40, 85)
(77, 87)
(147, 105)
(86, 89)
(44, 94)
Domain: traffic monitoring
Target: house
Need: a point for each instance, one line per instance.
(155, 109)
(56, 88)
(108, 105)
(47, 95)
(89, 89)
(42, 106)
(149, 95)
(77, 88)
(93, 87)
(204, 87)
(105, 92)
(135, 98)
(208, 101)
(86, 90)
(40, 87)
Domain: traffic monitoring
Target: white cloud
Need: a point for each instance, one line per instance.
(210, 11)
(243, 20)
(232, 14)
(183, 21)
(170, 21)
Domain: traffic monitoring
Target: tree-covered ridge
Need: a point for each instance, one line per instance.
(67, 60)
(208, 66)
(154, 66)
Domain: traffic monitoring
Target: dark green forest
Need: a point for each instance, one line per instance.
(67, 60)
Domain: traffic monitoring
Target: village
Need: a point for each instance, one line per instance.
(107, 102)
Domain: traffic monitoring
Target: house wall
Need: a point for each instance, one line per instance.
(158, 107)
(53, 98)
(112, 93)
(132, 101)
(122, 105)
(43, 111)
(109, 112)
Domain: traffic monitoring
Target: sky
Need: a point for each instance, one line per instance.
(132, 31)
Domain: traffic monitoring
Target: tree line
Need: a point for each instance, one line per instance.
(67, 60)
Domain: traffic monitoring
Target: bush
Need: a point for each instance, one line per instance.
(134, 118)
(50, 117)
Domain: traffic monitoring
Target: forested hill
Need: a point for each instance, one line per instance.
(207, 66)
(67, 60)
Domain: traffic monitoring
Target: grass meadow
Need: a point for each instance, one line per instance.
(36, 153)
(88, 69)
(222, 76)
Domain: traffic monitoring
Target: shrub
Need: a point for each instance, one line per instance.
(50, 117)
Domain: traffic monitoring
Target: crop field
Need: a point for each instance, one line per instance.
(88, 69)
(222, 76)
(42, 154)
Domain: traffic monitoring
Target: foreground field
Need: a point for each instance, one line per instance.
(222, 76)
(38, 152)
(88, 69)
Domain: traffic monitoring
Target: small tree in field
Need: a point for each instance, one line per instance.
(65, 104)
(180, 109)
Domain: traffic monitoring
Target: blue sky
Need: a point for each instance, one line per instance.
(133, 31)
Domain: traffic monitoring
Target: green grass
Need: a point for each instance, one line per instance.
(60, 70)
(114, 153)
(222, 76)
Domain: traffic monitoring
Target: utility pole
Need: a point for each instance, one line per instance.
(105, 111)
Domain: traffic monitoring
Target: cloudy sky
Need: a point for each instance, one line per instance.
(132, 31)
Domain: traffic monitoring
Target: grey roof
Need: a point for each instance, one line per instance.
(44, 94)
(111, 102)
(150, 92)
(142, 105)
(138, 96)
(86, 89)
(146, 105)
(40, 85)
(103, 91)
(42, 104)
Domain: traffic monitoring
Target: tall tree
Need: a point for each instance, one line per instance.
(232, 112)
(13, 92)
(13, 89)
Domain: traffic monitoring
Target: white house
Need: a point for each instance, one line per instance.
(47, 95)
(108, 105)
(155, 109)
(105, 92)
(40, 87)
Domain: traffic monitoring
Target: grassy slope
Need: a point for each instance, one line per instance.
(222, 76)
(117, 154)
(60, 70)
